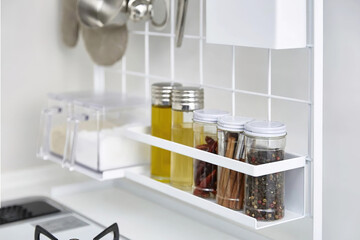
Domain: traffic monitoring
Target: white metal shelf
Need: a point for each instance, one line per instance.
(132, 132)
(291, 161)
(142, 177)
(100, 175)
(209, 205)
(293, 166)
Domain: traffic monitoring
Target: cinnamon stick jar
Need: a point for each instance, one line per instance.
(264, 196)
(205, 139)
(231, 184)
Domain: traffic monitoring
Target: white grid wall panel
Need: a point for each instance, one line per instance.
(253, 82)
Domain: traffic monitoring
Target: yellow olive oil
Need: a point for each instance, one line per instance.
(160, 127)
(181, 175)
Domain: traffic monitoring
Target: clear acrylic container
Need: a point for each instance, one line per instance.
(205, 138)
(89, 136)
(231, 184)
(264, 196)
(53, 123)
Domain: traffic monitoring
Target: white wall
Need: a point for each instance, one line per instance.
(341, 120)
(34, 62)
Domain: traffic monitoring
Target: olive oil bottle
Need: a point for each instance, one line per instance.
(184, 101)
(161, 127)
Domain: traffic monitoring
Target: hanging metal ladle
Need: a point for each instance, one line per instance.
(180, 21)
(101, 13)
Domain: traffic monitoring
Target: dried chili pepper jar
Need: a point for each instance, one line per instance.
(205, 138)
(161, 127)
(185, 100)
(264, 196)
(231, 184)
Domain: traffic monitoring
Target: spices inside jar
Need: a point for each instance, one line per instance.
(264, 195)
(205, 139)
(231, 184)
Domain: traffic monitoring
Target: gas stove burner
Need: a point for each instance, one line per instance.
(50, 220)
(25, 211)
(112, 229)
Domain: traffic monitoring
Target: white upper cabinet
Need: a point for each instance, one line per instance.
(275, 24)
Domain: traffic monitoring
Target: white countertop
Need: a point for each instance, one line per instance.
(138, 216)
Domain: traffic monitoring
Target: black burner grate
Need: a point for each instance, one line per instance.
(20, 212)
(13, 214)
(112, 230)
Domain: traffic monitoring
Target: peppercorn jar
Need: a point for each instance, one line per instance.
(264, 196)
(231, 184)
(185, 100)
(205, 138)
(161, 127)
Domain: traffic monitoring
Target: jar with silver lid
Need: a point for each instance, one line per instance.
(184, 101)
(161, 127)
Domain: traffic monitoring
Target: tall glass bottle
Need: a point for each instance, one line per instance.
(184, 101)
(161, 127)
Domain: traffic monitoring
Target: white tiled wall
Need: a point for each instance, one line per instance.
(289, 74)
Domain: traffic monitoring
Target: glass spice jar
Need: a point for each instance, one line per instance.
(184, 101)
(205, 138)
(161, 127)
(231, 184)
(264, 196)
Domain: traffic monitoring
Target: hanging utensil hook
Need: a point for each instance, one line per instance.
(100, 13)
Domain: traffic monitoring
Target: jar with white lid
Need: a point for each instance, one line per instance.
(231, 184)
(264, 196)
(205, 138)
